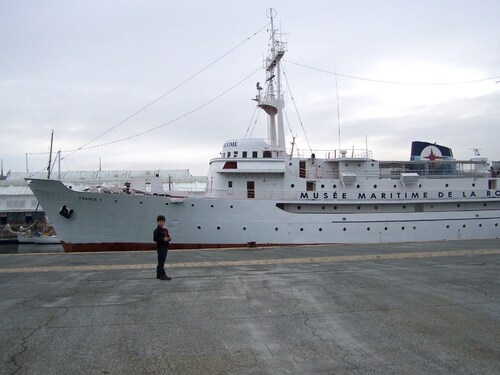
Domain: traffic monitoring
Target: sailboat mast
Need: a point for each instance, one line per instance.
(50, 154)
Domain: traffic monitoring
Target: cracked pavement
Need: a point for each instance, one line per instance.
(393, 315)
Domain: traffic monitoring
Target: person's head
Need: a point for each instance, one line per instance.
(160, 219)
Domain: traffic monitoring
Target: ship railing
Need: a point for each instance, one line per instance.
(334, 154)
(436, 169)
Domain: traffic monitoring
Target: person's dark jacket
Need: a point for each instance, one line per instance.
(159, 235)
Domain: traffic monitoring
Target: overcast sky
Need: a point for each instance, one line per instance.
(82, 67)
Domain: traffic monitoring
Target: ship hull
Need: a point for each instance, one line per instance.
(118, 222)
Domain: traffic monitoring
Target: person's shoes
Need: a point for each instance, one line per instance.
(165, 277)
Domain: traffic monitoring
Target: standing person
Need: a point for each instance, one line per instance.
(162, 238)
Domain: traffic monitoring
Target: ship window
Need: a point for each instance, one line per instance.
(230, 184)
(254, 154)
(236, 154)
(267, 154)
(311, 185)
(243, 154)
(229, 154)
(492, 184)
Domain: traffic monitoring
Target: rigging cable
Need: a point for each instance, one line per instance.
(175, 119)
(296, 109)
(254, 122)
(169, 91)
(394, 82)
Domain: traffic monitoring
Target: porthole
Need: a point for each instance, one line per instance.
(166, 204)
(480, 225)
(359, 165)
(140, 202)
(376, 207)
(463, 226)
(385, 228)
(212, 205)
(447, 227)
(299, 207)
(231, 206)
(199, 226)
(290, 164)
(458, 205)
(323, 207)
(116, 201)
(485, 204)
(218, 227)
(368, 229)
(301, 229)
(359, 207)
(320, 229)
(372, 164)
(446, 185)
(394, 186)
(496, 224)
(402, 228)
(404, 207)
(473, 184)
(244, 228)
(276, 229)
(192, 204)
(292, 186)
(374, 186)
(414, 228)
(419, 185)
(334, 207)
(344, 229)
(334, 186)
(322, 186)
(358, 186)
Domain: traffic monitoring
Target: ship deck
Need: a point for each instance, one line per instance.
(414, 308)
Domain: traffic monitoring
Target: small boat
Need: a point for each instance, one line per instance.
(37, 238)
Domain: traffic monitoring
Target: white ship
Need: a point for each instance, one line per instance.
(258, 194)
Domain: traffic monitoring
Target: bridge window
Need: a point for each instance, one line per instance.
(254, 154)
(243, 154)
(267, 154)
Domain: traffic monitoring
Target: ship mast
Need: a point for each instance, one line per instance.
(272, 102)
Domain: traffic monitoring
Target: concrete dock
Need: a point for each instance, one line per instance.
(413, 308)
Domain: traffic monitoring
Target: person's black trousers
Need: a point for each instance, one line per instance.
(162, 257)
